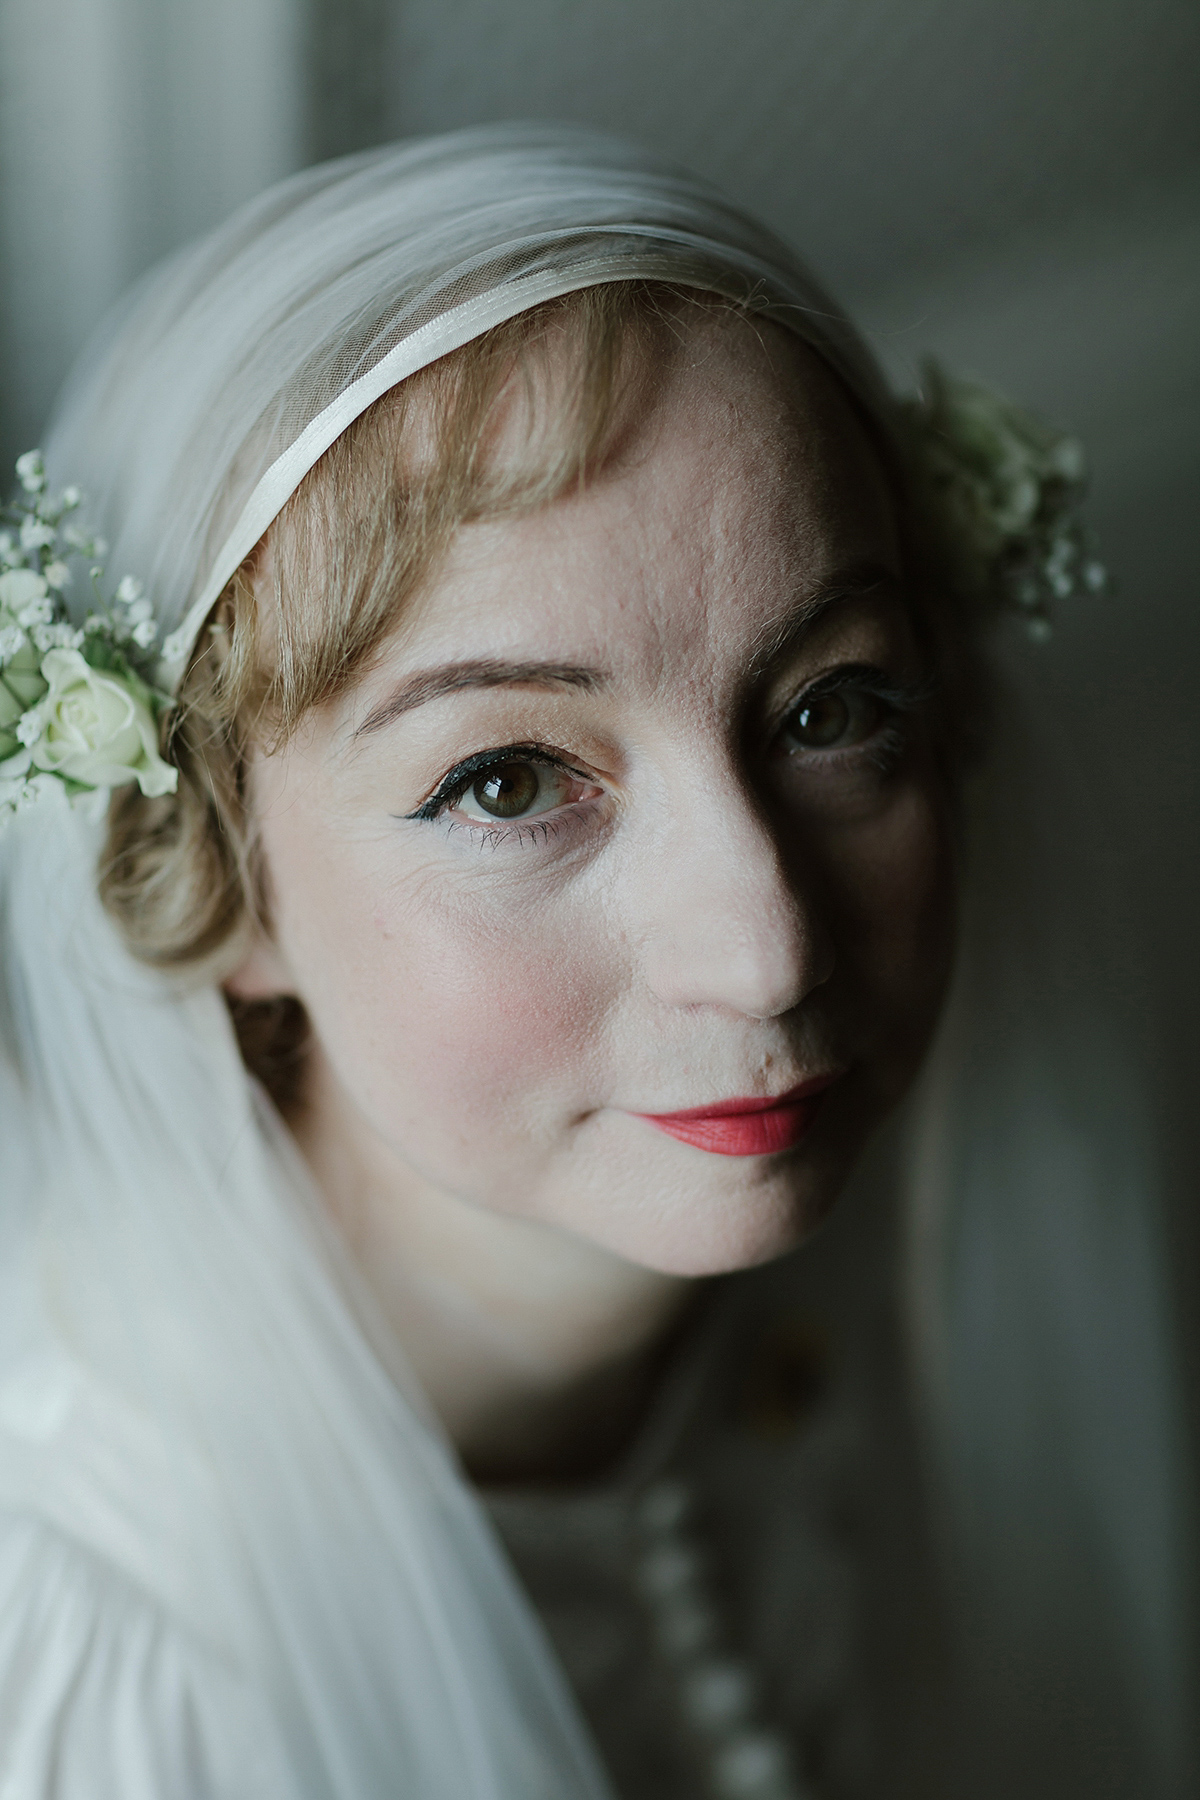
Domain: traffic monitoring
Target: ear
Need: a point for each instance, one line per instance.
(263, 975)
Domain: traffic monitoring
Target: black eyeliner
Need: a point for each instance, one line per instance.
(458, 779)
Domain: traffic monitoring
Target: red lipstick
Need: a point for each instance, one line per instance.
(747, 1127)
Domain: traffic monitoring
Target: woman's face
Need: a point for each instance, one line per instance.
(635, 815)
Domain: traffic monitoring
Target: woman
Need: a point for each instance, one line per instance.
(573, 651)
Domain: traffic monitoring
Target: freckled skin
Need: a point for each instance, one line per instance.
(713, 919)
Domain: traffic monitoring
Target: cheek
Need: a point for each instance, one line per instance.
(890, 901)
(472, 1016)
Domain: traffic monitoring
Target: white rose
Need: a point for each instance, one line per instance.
(95, 731)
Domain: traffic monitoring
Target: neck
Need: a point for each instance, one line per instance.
(536, 1348)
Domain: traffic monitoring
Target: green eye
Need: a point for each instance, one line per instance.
(833, 721)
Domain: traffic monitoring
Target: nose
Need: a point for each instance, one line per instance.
(726, 923)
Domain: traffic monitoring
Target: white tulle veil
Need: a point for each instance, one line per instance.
(171, 1291)
(168, 1288)
(236, 365)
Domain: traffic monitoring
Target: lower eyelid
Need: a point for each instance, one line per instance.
(533, 828)
(890, 738)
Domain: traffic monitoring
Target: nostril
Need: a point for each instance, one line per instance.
(762, 967)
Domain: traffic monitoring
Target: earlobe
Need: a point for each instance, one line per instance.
(263, 975)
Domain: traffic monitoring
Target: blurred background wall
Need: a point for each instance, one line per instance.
(1015, 185)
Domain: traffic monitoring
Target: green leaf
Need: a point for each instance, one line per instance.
(23, 678)
(11, 707)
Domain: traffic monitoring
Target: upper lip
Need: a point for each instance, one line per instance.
(724, 1109)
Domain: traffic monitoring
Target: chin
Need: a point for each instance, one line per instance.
(718, 1233)
(678, 1210)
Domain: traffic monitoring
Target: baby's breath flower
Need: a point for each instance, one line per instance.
(175, 647)
(56, 637)
(36, 534)
(79, 709)
(31, 471)
(1004, 490)
(36, 612)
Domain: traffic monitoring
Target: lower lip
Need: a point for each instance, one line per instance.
(752, 1130)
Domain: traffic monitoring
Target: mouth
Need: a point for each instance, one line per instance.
(747, 1127)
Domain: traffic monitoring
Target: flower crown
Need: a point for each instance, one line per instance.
(1003, 491)
(80, 708)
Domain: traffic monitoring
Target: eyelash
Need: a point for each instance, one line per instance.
(884, 750)
(900, 701)
(455, 783)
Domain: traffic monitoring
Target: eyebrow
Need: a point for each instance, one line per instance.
(425, 685)
(852, 583)
(483, 672)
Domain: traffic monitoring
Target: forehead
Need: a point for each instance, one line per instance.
(741, 481)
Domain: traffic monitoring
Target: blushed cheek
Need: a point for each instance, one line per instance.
(466, 1035)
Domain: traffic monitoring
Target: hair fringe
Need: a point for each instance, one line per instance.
(315, 600)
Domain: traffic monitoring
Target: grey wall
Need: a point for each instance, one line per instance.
(879, 134)
(126, 127)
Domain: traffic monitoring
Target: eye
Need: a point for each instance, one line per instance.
(516, 790)
(506, 785)
(838, 719)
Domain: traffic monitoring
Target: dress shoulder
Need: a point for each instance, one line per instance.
(104, 1696)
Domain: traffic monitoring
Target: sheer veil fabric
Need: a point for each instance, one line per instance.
(198, 1425)
(235, 1554)
(235, 366)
